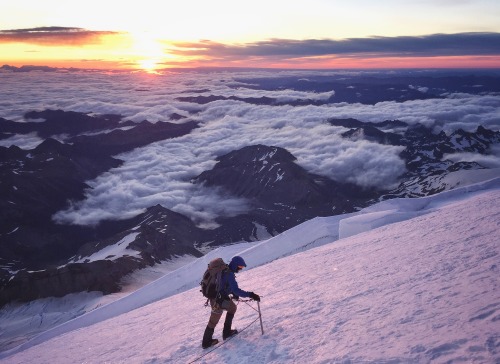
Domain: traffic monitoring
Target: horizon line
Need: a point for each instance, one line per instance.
(47, 68)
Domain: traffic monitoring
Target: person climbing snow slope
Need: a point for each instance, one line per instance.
(223, 302)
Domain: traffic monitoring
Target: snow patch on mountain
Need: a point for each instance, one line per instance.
(112, 252)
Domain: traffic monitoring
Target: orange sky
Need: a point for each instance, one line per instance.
(116, 50)
(357, 63)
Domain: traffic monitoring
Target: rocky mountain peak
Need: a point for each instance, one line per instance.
(257, 172)
(371, 133)
(269, 177)
(257, 154)
(51, 146)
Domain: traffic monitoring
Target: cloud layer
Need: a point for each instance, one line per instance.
(161, 172)
(459, 50)
(53, 36)
(433, 45)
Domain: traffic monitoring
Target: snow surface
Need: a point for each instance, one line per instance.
(21, 321)
(424, 289)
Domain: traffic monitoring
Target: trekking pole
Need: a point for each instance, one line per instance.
(260, 317)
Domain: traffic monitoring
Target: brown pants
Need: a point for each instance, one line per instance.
(217, 310)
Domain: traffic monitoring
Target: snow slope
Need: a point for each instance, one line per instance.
(418, 290)
(22, 325)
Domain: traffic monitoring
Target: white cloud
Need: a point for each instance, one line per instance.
(160, 173)
(488, 161)
(24, 141)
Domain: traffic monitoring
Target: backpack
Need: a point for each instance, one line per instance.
(211, 278)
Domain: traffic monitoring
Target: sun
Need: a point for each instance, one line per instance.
(148, 51)
(148, 65)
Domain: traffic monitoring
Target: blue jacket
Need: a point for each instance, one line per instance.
(228, 285)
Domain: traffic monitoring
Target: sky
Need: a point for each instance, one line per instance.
(151, 35)
(383, 294)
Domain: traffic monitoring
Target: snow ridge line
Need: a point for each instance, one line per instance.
(307, 246)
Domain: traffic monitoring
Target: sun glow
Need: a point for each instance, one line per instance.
(149, 65)
(149, 52)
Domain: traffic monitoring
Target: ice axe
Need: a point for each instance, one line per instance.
(253, 308)
(260, 318)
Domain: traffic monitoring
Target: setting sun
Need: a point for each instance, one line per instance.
(148, 64)
(147, 49)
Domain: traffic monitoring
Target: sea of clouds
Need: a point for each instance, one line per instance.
(161, 173)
